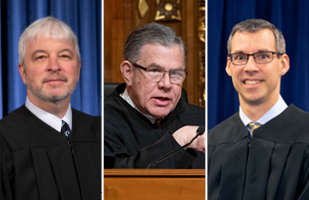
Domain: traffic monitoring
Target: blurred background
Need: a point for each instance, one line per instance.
(289, 16)
(84, 18)
(186, 17)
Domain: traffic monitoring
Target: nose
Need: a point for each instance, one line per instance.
(251, 65)
(165, 81)
(53, 64)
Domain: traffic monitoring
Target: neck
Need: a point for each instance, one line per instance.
(254, 111)
(57, 109)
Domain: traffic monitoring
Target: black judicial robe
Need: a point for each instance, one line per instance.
(132, 141)
(36, 161)
(273, 164)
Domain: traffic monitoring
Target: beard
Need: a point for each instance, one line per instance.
(49, 95)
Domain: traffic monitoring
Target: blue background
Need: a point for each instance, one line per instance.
(84, 18)
(289, 16)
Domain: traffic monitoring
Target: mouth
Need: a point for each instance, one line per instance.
(251, 82)
(162, 98)
(54, 80)
(51, 80)
(162, 101)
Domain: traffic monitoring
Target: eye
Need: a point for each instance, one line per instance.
(65, 56)
(40, 57)
(176, 73)
(263, 56)
(154, 70)
(238, 57)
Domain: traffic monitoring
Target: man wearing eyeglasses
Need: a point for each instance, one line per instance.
(142, 116)
(261, 152)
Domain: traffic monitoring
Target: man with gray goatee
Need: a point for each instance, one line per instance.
(49, 150)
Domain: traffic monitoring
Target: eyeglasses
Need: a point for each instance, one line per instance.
(259, 57)
(155, 74)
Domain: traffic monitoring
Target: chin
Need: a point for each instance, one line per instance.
(160, 114)
(254, 101)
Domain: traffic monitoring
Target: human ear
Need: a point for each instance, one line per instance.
(228, 67)
(22, 73)
(126, 71)
(284, 64)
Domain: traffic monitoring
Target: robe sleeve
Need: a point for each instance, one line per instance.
(6, 192)
(304, 179)
(116, 154)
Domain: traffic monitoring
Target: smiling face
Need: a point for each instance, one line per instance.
(257, 84)
(51, 70)
(157, 99)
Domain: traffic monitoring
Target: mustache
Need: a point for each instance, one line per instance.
(53, 77)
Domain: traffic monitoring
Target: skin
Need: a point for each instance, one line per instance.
(258, 85)
(160, 98)
(51, 73)
(185, 134)
(157, 99)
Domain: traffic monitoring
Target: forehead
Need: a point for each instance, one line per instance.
(247, 42)
(162, 55)
(48, 43)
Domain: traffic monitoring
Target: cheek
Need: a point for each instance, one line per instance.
(34, 73)
(76, 75)
(73, 72)
(146, 90)
(145, 93)
(177, 93)
(236, 75)
(273, 77)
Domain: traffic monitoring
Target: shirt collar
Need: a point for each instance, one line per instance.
(50, 119)
(127, 98)
(276, 110)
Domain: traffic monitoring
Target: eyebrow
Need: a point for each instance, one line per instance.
(155, 65)
(162, 68)
(69, 50)
(37, 51)
(259, 51)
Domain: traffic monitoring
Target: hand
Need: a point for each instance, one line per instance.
(185, 134)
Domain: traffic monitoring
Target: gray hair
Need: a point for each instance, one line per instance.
(48, 27)
(151, 33)
(255, 25)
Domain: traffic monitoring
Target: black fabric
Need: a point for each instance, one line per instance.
(36, 161)
(274, 164)
(132, 141)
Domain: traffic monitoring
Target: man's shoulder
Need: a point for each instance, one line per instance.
(289, 127)
(188, 114)
(79, 116)
(229, 130)
(227, 123)
(185, 107)
(83, 114)
(292, 115)
(294, 110)
(19, 113)
(86, 128)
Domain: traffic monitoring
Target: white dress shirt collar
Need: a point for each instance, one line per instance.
(276, 110)
(50, 119)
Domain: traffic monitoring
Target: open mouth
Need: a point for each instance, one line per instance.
(162, 101)
(251, 82)
(162, 98)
